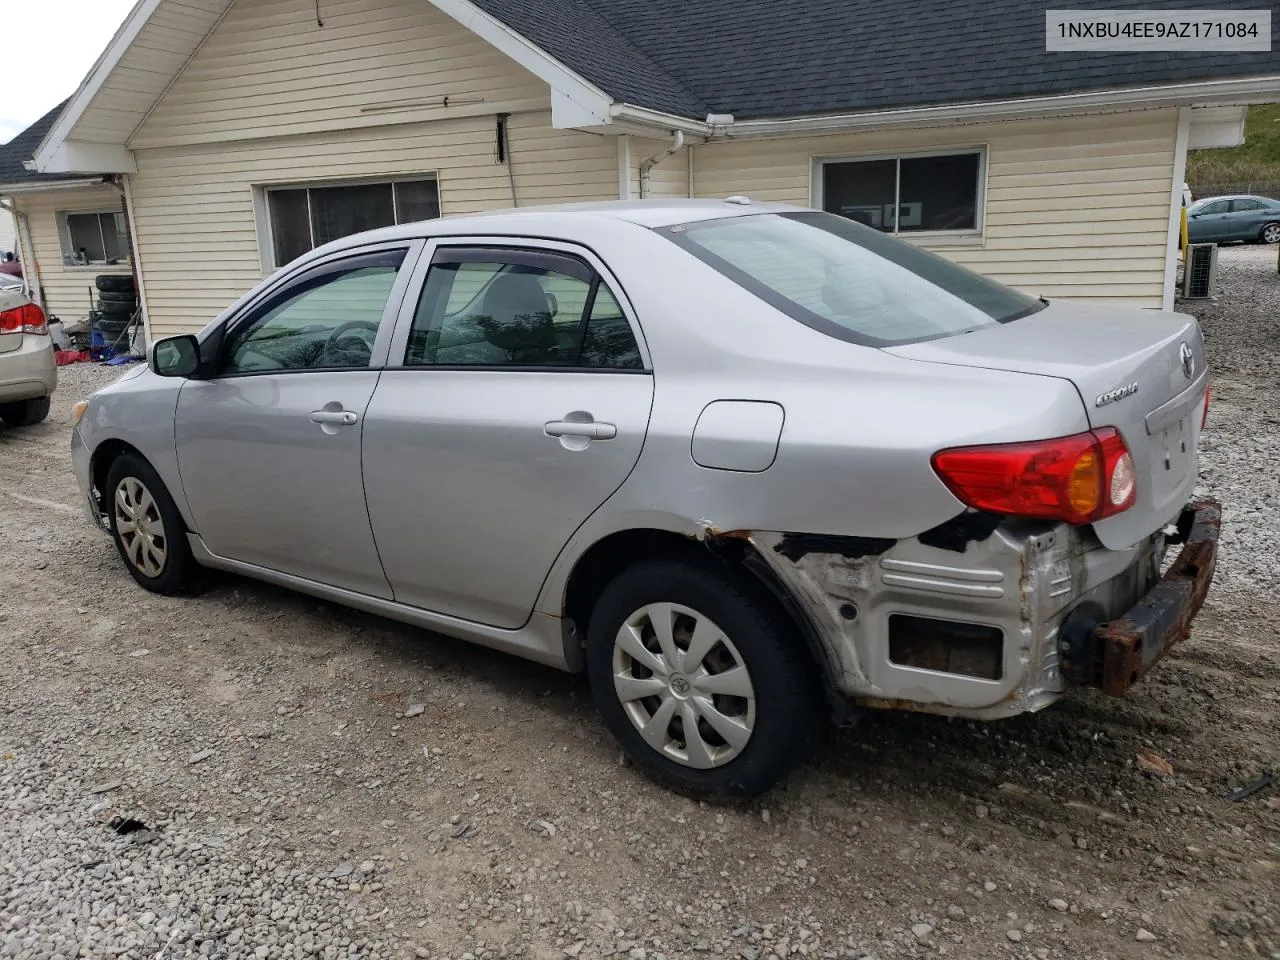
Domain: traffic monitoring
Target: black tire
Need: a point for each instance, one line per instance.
(24, 413)
(783, 678)
(1270, 233)
(118, 296)
(114, 282)
(115, 308)
(178, 571)
(112, 332)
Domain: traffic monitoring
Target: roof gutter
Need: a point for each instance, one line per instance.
(1236, 91)
(39, 186)
(651, 121)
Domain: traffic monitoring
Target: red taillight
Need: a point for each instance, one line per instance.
(1079, 479)
(1204, 418)
(27, 318)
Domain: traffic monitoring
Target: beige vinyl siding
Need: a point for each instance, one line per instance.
(269, 70)
(68, 291)
(196, 219)
(1075, 207)
(668, 179)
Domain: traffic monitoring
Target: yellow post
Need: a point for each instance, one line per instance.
(1182, 230)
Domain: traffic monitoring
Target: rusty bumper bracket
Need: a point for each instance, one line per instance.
(1125, 649)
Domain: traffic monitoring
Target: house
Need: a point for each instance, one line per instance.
(243, 132)
(68, 227)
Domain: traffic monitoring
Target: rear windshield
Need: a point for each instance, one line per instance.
(848, 280)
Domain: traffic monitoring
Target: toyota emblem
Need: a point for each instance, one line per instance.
(1188, 360)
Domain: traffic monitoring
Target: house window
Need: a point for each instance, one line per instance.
(303, 218)
(907, 194)
(93, 238)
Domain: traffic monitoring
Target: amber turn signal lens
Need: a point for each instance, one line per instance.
(77, 411)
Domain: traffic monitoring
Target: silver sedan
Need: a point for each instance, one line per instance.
(748, 466)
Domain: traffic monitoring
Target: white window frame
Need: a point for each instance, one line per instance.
(976, 234)
(68, 251)
(262, 206)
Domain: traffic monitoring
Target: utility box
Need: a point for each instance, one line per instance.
(1200, 271)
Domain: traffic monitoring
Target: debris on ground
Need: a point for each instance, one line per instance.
(1252, 788)
(1154, 764)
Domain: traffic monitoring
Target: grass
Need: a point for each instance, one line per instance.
(1257, 160)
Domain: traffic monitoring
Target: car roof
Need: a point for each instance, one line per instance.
(518, 221)
(1236, 196)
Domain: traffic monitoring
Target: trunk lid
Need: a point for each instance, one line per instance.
(1142, 372)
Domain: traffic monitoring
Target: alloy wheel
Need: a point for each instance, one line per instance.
(683, 685)
(140, 527)
(1271, 233)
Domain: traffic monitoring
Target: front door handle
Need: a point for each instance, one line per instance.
(340, 418)
(591, 429)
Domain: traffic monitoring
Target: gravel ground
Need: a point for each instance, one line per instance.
(307, 781)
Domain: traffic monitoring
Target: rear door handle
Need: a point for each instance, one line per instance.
(575, 428)
(342, 418)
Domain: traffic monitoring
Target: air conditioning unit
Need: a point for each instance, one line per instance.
(1200, 272)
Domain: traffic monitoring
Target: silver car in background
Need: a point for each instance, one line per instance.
(747, 465)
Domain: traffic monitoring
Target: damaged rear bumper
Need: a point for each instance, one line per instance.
(1000, 621)
(1113, 656)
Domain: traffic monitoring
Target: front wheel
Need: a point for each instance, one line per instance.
(701, 678)
(148, 530)
(1270, 233)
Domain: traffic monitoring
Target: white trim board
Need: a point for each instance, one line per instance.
(1175, 208)
(575, 101)
(48, 154)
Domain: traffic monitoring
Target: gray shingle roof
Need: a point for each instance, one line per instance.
(23, 147)
(781, 58)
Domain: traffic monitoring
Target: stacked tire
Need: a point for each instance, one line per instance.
(117, 305)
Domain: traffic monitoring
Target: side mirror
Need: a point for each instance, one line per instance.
(175, 356)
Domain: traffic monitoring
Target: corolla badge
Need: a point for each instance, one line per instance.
(1119, 393)
(1188, 360)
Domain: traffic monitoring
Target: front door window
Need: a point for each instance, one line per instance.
(327, 320)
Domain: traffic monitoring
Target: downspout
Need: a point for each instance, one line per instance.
(118, 181)
(27, 250)
(504, 153)
(646, 166)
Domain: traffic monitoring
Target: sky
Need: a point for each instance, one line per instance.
(49, 45)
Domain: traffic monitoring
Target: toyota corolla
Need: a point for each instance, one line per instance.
(748, 466)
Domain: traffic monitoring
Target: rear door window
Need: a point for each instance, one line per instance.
(523, 308)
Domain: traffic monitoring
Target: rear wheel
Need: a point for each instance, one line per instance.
(147, 528)
(1270, 233)
(24, 413)
(701, 678)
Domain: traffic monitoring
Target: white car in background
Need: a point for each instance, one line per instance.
(28, 374)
